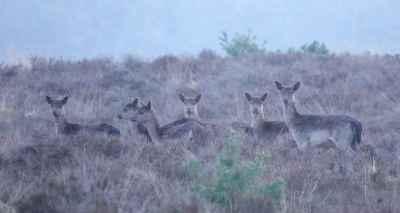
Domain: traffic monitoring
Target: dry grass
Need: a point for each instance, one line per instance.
(94, 173)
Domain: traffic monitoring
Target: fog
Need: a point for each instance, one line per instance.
(85, 29)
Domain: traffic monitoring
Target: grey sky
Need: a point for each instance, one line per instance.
(76, 29)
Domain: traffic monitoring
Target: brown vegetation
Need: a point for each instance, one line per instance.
(95, 173)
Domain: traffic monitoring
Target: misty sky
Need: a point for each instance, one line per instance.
(76, 29)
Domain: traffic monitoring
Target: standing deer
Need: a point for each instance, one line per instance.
(63, 127)
(137, 127)
(268, 131)
(158, 132)
(311, 130)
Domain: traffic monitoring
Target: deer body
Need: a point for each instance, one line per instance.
(268, 131)
(311, 130)
(185, 120)
(158, 132)
(63, 127)
(239, 125)
(137, 128)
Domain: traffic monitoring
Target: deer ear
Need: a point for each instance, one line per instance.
(198, 98)
(278, 85)
(135, 102)
(64, 100)
(248, 96)
(149, 105)
(296, 86)
(49, 100)
(264, 97)
(143, 104)
(181, 97)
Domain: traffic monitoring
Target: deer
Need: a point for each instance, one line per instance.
(63, 127)
(190, 110)
(181, 120)
(267, 131)
(183, 132)
(137, 128)
(312, 130)
(190, 106)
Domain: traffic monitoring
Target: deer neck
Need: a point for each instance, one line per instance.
(290, 113)
(61, 123)
(257, 120)
(134, 128)
(193, 115)
(154, 127)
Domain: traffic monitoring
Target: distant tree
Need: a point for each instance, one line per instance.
(315, 48)
(291, 50)
(241, 44)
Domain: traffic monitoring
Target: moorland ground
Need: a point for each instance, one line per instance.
(42, 172)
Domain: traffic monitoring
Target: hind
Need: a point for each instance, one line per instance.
(63, 127)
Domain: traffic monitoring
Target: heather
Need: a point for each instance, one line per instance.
(41, 172)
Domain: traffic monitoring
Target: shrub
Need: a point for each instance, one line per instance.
(315, 48)
(207, 55)
(291, 50)
(241, 44)
(236, 177)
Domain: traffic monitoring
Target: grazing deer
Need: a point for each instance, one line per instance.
(63, 127)
(190, 110)
(311, 130)
(129, 111)
(268, 131)
(158, 132)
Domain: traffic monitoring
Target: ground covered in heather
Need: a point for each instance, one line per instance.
(232, 172)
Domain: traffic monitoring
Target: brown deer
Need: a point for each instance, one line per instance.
(268, 131)
(311, 130)
(137, 127)
(190, 106)
(190, 110)
(181, 120)
(158, 132)
(63, 127)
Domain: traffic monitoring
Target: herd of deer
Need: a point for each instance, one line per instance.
(307, 130)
